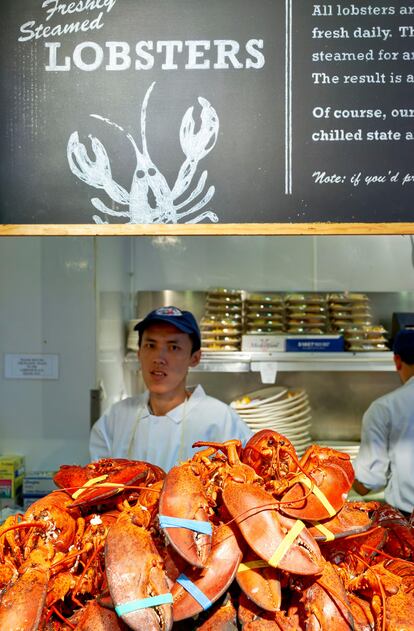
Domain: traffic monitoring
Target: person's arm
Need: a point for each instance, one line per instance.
(360, 488)
(99, 439)
(372, 463)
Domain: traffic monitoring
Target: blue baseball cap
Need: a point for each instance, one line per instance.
(182, 320)
(403, 345)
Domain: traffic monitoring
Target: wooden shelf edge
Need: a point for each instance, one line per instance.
(224, 229)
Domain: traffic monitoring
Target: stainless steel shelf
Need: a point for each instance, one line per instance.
(269, 364)
(238, 362)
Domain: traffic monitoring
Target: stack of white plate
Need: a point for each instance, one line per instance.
(348, 447)
(285, 411)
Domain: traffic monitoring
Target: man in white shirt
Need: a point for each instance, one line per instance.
(386, 455)
(161, 424)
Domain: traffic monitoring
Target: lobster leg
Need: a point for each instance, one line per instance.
(361, 612)
(22, 603)
(183, 497)
(134, 571)
(390, 586)
(270, 534)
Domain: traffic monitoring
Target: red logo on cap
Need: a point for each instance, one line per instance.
(168, 311)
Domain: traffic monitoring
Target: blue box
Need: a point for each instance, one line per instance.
(315, 344)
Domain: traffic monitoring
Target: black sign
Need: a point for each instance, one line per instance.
(229, 111)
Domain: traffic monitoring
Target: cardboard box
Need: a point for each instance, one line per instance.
(11, 465)
(11, 478)
(11, 487)
(38, 483)
(263, 343)
(315, 344)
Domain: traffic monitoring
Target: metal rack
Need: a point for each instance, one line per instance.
(269, 364)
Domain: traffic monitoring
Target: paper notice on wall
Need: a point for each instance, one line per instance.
(23, 366)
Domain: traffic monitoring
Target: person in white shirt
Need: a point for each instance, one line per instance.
(386, 454)
(160, 425)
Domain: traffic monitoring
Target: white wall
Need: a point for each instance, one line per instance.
(47, 289)
(375, 263)
(325, 263)
(114, 309)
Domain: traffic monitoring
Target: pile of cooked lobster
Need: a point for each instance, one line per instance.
(235, 538)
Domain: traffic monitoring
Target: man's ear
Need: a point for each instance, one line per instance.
(398, 362)
(195, 358)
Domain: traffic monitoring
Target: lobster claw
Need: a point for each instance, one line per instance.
(221, 617)
(326, 602)
(134, 572)
(399, 531)
(94, 617)
(22, 603)
(99, 481)
(322, 490)
(260, 582)
(213, 580)
(279, 540)
(196, 145)
(252, 617)
(353, 519)
(183, 498)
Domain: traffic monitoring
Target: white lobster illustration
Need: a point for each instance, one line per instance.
(151, 200)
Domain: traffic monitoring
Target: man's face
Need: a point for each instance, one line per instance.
(165, 357)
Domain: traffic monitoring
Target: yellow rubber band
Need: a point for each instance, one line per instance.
(321, 497)
(87, 484)
(329, 536)
(105, 485)
(285, 544)
(252, 565)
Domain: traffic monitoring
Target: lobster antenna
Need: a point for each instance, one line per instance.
(107, 121)
(143, 125)
(128, 135)
(387, 556)
(144, 118)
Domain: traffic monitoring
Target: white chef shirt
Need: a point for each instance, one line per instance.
(386, 455)
(129, 430)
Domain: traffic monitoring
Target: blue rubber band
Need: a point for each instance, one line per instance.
(193, 590)
(191, 524)
(143, 603)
